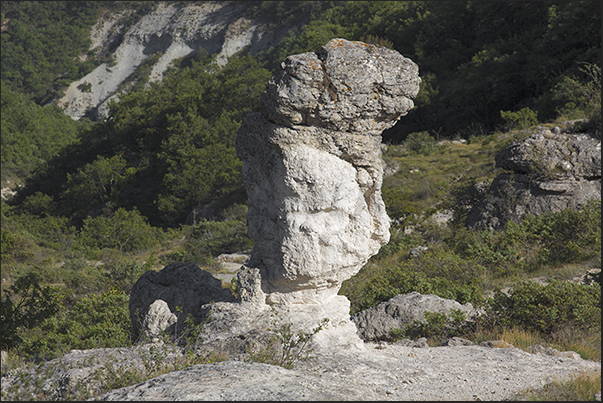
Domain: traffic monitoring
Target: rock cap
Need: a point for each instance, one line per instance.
(346, 86)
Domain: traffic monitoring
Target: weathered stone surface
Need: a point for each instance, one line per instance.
(346, 86)
(550, 173)
(158, 318)
(553, 156)
(80, 374)
(388, 372)
(377, 322)
(312, 166)
(180, 285)
(383, 371)
(538, 349)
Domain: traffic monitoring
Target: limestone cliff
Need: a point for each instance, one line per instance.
(171, 31)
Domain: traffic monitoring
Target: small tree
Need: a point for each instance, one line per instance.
(125, 230)
(25, 305)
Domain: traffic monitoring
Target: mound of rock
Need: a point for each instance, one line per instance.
(550, 172)
(377, 323)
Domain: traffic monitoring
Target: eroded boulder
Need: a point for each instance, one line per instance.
(549, 172)
(377, 323)
(184, 288)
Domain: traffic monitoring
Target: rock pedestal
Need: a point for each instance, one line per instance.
(313, 171)
(312, 167)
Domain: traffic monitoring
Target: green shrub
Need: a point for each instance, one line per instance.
(561, 237)
(437, 326)
(436, 271)
(123, 275)
(521, 119)
(25, 305)
(419, 143)
(215, 237)
(546, 308)
(568, 236)
(95, 321)
(6, 241)
(126, 231)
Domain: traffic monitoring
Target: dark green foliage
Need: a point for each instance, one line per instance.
(561, 237)
(42, 42)
(31, 134)
(546, 308)
(166, 150)
(95, 321)
(438, 326)
(123, 275)
(25, 305)
(479, 57)
(459, 267)
(125, 231)
(436, 271)
(211, 238)
(419, 143)
(521, 119)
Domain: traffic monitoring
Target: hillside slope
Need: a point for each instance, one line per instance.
(167, 33)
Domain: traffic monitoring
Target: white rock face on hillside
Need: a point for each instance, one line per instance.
(216, 27)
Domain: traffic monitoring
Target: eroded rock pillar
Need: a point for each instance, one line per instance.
(313, 170)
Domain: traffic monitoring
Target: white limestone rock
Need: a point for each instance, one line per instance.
(158, 318)
(313, 170)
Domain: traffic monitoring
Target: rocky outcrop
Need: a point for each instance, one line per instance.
(377, 323)
(312, 168)
(550, 172)
(169, 32)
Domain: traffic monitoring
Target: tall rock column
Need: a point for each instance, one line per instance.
(313, 170)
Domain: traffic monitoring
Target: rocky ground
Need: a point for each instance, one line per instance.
(377, 371)
(381, 372)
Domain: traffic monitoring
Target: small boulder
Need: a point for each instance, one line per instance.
(377, 322)
(158, 318)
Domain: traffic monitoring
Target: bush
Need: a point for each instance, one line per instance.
(568, 236)
(127, 231)
(521, 119)
(211, 238)
(546, 308)
(436, 271)
(437, 326)
(561, 237)
(95, 321)
(123, 275)
(25, 305)
(419, 143)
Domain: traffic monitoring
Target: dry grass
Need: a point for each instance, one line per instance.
(579, 389)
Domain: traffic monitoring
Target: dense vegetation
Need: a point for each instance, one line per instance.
(102, 202)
